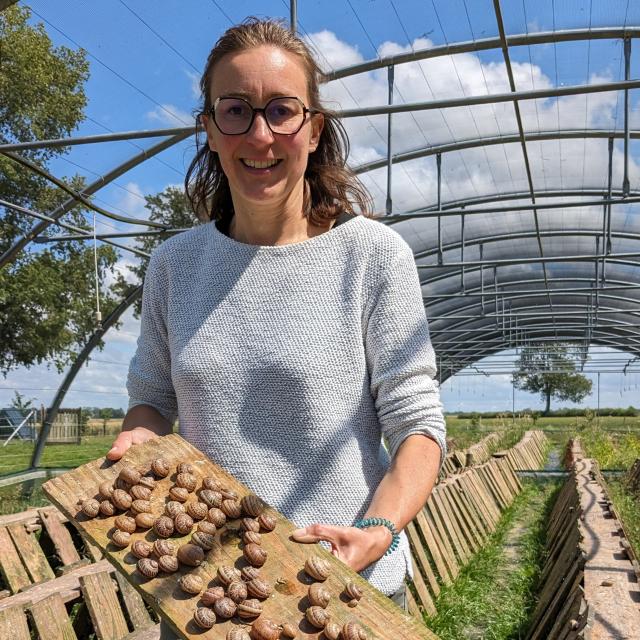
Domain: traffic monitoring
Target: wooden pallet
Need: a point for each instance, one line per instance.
(284, 568)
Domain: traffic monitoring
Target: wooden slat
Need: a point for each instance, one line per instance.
(13, 624)
(440, 531)
(150, 633)
(421, 557)
(51, 619)
(15, 575)
(134, 604)
(102, 601)
(31, 553)
(60, 536)
(434, 547)
(423, 592)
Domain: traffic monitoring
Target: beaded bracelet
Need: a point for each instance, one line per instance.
(381, 522)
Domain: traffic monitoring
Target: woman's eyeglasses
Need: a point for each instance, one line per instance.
(235, 116)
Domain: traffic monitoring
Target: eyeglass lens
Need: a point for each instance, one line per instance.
(283, 115)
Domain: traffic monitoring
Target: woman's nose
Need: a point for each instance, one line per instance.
(260, 129)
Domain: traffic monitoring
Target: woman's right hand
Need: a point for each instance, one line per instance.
(126, 439)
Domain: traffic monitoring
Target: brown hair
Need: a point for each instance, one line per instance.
(331, 188)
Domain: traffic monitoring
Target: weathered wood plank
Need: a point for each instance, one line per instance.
(13, 624)
(422, 560)
(15, 575)
(60, 536)
(31, 553)
(51, 619)
(134, 604)
(423, 592)
(104, 608)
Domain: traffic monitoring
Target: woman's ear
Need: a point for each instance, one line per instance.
(208, 128)
(317, 125)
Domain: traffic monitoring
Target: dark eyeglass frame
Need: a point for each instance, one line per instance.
(305, 110)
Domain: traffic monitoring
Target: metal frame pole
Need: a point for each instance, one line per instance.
(389, 203)
(439, 205)
(293, 15)
(627, 75)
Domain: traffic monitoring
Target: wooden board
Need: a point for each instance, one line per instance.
(61, 538)
(284, 567)
(13, 624)
(102, 601)
(13, 570)
(31, 553)
(51, 619)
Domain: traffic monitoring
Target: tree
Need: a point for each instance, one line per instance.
(550, 370)
(46, 295)
(20, 403)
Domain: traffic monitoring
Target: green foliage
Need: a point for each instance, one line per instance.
(21, 403)
(550, 371)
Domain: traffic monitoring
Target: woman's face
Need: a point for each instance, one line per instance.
(258, 75)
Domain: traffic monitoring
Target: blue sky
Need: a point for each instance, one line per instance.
(144, 76)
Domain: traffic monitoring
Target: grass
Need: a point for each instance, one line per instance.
(493, 597)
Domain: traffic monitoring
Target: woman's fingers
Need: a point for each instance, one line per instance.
(128, 438)
(316, 533)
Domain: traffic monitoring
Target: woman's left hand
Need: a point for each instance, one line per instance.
(357, 548)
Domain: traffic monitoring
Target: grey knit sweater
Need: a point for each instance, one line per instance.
(286, 364)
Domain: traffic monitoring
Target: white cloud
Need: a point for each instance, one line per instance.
(194, 82)
(171, 116)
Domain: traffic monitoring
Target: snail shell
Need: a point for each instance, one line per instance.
(90, 507)
(190, 583)
(183, 523)
(259, 588)
(121, 484)
(252, 505)
(173, 508)
(211, 595)
(227, 575)
(121, 538)
(319, 595)
(125, 523)
(317, 568)
(168, 564)
(140, 506)
(250, 608)
(130, 475)
(145, 520)
(187, 481)
(147, 482)
(197, 510)
(228, 494)
(235, 633)
(107, 508)
(353, 603)
(160, 467)
(254, 554)
(250, 524)
(251, 536)
(288, 630)
(353, 631)
(184, 467)
(211, 498)
(179, 493)
(237, 591)
(267, 522)
(105, 489)
(207, 527)
(141, 549)
(353, 591)
(225, 608)
(147, 567)
(164, 548)
(332, 631)
(163, 526)
(231, 508)
(203, 540)
(249, 573)
(121, 499)
(317, 616)
(209, 482)
(204, 617)
(190, 554)
(217, 517)
(138, 492)
(264, 629)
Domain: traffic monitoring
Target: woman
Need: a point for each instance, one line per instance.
(289, 334)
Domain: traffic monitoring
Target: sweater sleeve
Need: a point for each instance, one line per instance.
(149, 380)
(401, 359)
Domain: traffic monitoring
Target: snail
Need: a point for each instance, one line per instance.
(250, 608)
(164, 548)
(160, 467)
(249, 537)
(217, 517)
(145, 520)
(228, 494)
(211, 498)
(173, 508)
(121, 484)
(147, 567)
(231, 508)
(204, 617)
(107, 508)
(105, 489)
(190, 583)
(197, 510)
(267, 522)
(250, 524)
(353, 631)
(225, 608)
(237, 591)
(317, 616)
(129, 475)
(207, 527)
(184, 467)
(121, 499)
(163, 526)
(125, 523)
(254, 554)
(317, 568)
(252, 505)
(353, 591)
(235, 633)
(138, 492)
(319, 595)
(264, 629)
(90, 507)
(203, 540)
(332, 631)
(190, 554)
(259, 588)
(353, 603)
(121, 538)
(249, 573)
(186, 481)
(140, 506)
(209, 482)
(141, 549)
(183, 523)
(288, 630)
(147, 482)
(211, 595)
(168, 564)
(179, 493)
(227, 574)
